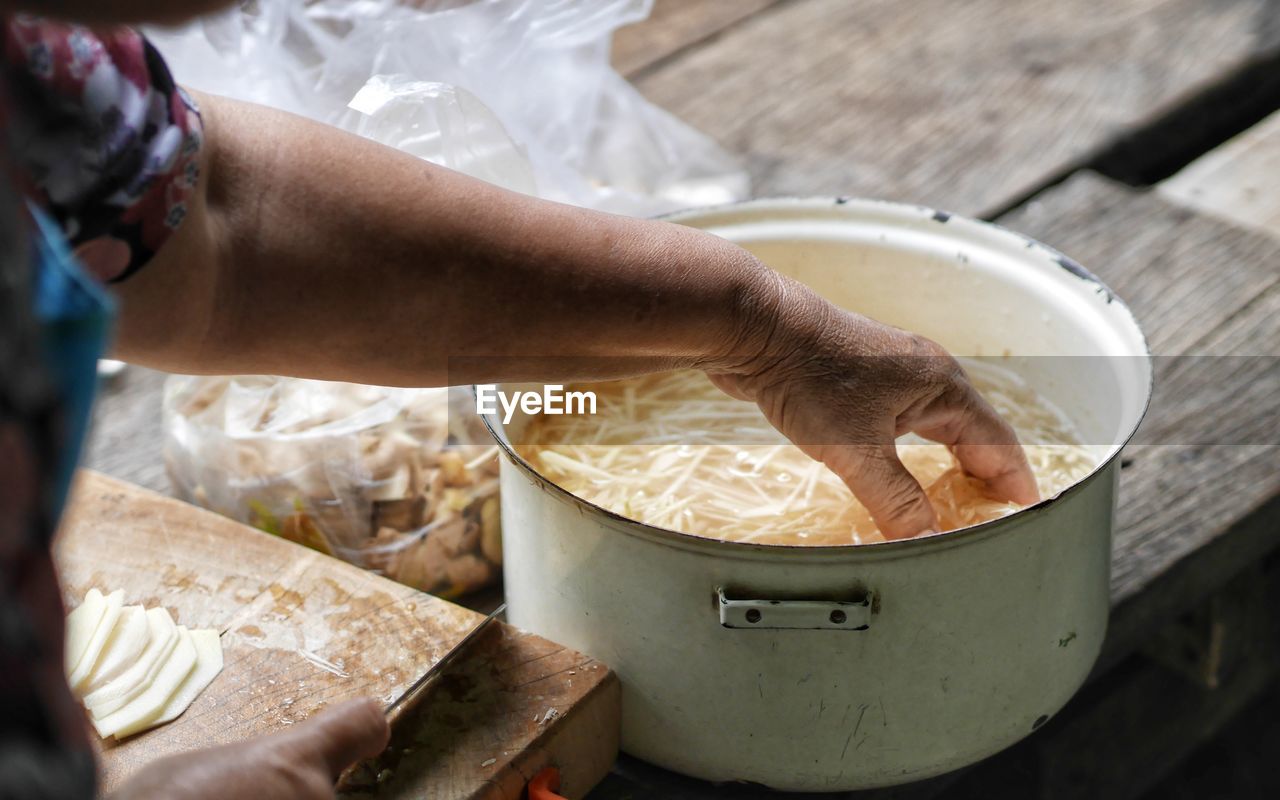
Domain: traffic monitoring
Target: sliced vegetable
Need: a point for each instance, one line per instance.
(138, 713)
(81, 623)
(124, 644)
(98, 640)
(208, 665)
(134, 668)
(135, 680)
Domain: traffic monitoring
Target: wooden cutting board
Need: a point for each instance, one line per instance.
(301, 630)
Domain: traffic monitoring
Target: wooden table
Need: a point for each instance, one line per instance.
(1105, 129)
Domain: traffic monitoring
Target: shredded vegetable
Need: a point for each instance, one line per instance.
(672, 450)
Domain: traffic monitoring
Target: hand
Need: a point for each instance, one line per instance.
(843, 387)
(301, 762)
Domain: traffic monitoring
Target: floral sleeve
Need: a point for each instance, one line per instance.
(103, 138)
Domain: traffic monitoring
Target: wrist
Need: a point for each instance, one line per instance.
(714, 301)
(772, 319)
(752, 313)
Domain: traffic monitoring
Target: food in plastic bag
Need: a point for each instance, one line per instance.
(516, 92)
(400, 481)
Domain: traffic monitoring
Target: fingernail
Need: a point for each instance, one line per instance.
(927, 532)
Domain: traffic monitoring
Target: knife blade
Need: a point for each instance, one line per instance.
(397, 708)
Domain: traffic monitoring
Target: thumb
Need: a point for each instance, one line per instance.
(343, 735)
(880, 481)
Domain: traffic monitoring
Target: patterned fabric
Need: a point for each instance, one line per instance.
(95, 133)
(106, 140)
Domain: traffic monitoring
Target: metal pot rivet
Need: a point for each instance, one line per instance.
(838, 617)
(753, 615)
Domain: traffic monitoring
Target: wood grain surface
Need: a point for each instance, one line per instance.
(674, 25)
(514, 705)
(126, 439)
(301, 631)
(1118, 736)
(1237, 181)
(963, 106)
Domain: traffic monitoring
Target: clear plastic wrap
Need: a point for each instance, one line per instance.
(441, 124)
(543, 111)
(400, 481)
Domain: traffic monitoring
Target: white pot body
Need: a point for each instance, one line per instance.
(949, 648)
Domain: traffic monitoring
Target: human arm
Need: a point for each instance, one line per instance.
(314, 253)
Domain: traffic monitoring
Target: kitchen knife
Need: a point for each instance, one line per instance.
(406, 700)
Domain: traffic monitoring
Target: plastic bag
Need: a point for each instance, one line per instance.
(557, 120)
(442, 124)
(400, 481)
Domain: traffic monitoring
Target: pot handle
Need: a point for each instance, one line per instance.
(842, 615)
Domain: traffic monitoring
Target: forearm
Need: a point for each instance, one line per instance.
(312, 252)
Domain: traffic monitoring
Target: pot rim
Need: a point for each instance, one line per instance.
(956, 536)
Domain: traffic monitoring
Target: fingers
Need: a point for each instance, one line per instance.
(985, 445)
(878, 479)
(341, 736)
(299, 764)
(988, 449)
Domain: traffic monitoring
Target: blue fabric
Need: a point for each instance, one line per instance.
(75, 314)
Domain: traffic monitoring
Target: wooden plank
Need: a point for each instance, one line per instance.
(516, 687)
(674, 25)
(1199, 500)
(964, 106)
(1162, 146)
(126, 439)
(283, 611)
(1120, 735)
(301, 631)
(1215, 637)
(1236, 181)
(1238, 762)
(1151, 717)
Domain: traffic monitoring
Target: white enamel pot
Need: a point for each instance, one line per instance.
(850, 667)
